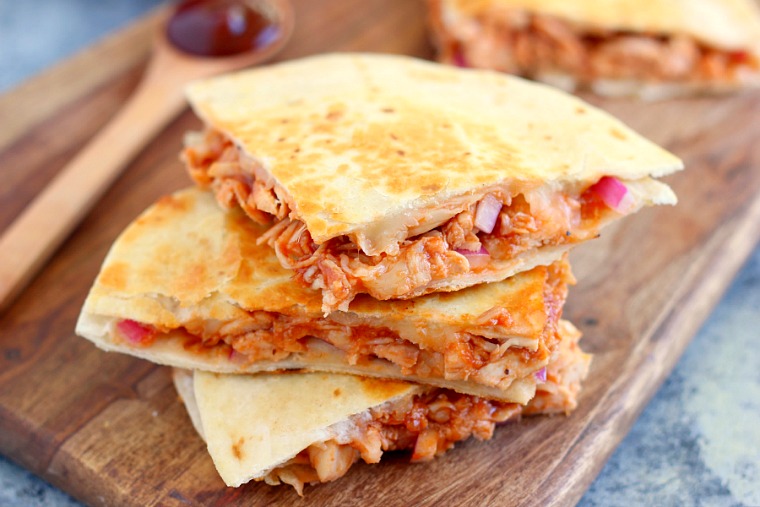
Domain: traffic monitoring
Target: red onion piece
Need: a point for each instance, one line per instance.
(614, 194)
(541, 375)
(134, 331)
(459, 59)
(476, 258)
(487, 213)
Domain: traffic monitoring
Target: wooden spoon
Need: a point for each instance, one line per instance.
(41, 228)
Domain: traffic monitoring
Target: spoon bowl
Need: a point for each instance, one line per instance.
(48, 220)
(232, 39)
(218, 28)
(170, 66)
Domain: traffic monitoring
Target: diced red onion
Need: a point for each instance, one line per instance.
(476, 258)
(541, 374)
(487, 213)
(614, 194)
(459, 59)
(134, 331)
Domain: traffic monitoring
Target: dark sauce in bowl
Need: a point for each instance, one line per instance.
(214, 28)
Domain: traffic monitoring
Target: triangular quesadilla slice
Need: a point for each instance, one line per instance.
(189, 285)
(396, 177)
(299, 428)
(654, 49)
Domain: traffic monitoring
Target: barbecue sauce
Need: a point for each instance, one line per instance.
(213, 28)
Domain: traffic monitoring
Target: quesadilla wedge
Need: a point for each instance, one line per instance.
(397, 177)
(189, 285)
(654, 49)
(299, 428)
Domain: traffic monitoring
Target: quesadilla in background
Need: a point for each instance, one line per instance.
(654, 49)
(189, 285)
(397, 177)
(299, 428)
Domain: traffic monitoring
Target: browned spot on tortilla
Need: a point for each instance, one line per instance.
(195, 275)
(580, 110)
(174, 202)
(237, 448)
(617, 134)
(115, 276)
(337, 392)
(382, 388)
(167, 209)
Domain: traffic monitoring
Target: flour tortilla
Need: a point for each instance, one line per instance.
(372, 146)
(254, 423)
(186, 261)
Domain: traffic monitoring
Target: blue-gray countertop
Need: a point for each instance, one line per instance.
(696, 444)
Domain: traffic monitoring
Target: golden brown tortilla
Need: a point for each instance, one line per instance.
(185, 261)
(254, 423)
(377, 145)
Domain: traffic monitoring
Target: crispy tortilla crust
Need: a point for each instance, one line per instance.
(459, 356)
(428, 422)
(438, 259)
(557, 46)
(349, 157)
(233, 293)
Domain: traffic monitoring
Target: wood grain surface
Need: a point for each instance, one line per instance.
(110, 430)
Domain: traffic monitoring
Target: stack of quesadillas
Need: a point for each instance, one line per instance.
(375, 259)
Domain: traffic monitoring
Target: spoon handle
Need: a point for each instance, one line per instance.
(48, 220)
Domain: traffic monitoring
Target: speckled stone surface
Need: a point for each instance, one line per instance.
(19, 488)
(696, 444)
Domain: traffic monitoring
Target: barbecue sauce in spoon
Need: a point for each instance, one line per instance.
(214, 28)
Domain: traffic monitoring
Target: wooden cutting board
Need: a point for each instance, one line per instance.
(110, 430)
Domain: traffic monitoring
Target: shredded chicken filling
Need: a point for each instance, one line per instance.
(461, 356)
(535, 44)
(338, 267)
(429, 424)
